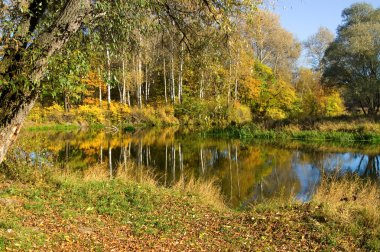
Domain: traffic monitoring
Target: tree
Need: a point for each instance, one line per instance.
(316, 45)
(352, 60)
(65, 73)
(315, 99)
(273, 45)
(30, 36)
(31, 31)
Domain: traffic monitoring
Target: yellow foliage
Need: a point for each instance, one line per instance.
(334, 104)
(251, 88)
(119, 112)
(239, 113)
(93, 82)
(55, 108)
(276, 113)
(90, 114)
(149, 115)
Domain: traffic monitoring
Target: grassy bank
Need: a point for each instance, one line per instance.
(342, 129)
(88, 212)
(205, 119)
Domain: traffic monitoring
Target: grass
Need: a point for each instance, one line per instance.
(342, 132)
(355, 203)
(56, 210)
(55, 127)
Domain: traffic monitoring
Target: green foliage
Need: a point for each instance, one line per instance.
(316, 100)
(239, 114)
(191, 109)
(65, 76)
(268, 95)
(210, 113)
(352, 60)
(319, 131)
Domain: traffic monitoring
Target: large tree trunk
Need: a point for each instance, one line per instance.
(15, 105)
(9, 131)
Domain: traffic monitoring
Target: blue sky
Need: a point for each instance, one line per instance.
(304, 17)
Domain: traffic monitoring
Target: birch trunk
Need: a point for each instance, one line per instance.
(100, 89)
(124, 93)
(201, 89)
(165, 83)
(180, 76)
(146, 83)
(139, 80)
(172, 72)
(109, 79)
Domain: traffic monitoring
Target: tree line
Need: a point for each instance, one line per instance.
(220, 55)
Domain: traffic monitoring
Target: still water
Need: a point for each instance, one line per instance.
(247, 172)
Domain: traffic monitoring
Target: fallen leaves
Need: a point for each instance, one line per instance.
(171, 223)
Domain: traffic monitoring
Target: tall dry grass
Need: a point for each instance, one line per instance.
(207, 190)
(350, 199)
(130, 171)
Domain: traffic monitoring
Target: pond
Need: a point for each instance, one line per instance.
(247, 172)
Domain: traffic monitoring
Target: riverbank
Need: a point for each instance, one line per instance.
(92, 116)
(333, 129)
(87, 211)
(339, 129)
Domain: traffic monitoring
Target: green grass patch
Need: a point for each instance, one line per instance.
(253, 132)
(3, 243)
(55, 127)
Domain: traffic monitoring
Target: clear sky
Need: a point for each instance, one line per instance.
(304, 17)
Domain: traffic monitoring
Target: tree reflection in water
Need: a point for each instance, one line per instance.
(246, 173)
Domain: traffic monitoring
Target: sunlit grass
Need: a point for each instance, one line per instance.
(327, 133)
(354, 203)
(350, 198)
(207, 191)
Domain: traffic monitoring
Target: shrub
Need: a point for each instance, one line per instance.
(239, 114)
(150, 116)
(90, 114)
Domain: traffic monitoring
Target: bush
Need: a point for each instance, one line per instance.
(89, 114)
(154, 117)
(191, 111)
(239, 114)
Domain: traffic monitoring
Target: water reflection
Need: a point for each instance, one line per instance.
(247, 173)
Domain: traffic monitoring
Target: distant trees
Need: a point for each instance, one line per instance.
(352, 61)
(272, 44)
(315, 99)
(316, 45)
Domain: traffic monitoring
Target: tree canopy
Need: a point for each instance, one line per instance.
(352, 61)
